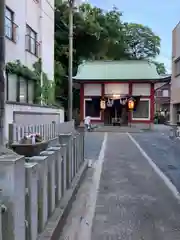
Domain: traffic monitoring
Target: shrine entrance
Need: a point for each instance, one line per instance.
(116, 111)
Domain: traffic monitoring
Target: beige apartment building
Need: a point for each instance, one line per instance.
(175, 80)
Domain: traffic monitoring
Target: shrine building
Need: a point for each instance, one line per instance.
(107, 86)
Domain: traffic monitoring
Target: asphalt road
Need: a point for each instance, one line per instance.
(133, 202)
(164, 151)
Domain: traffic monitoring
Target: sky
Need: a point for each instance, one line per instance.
(160, 15)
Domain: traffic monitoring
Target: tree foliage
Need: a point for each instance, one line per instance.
(99, 34)
(142, 42)
(160, 68)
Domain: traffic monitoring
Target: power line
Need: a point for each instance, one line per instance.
(57, 25)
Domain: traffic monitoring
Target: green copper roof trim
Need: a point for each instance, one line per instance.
(117, 70)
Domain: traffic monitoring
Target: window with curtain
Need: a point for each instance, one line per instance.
(142, 110)
(30, 92)
(12, 87)
(23, 91)
(165, 93)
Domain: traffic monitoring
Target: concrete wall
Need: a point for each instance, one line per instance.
(39, 15)
(31, 114)
(175, 82)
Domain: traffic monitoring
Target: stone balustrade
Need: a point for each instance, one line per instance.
(32, 188)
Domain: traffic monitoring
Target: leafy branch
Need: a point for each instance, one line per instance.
(19, 69)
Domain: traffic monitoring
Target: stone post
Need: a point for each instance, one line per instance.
(58, 172)
(78, 152)
(51, 180)
(32, 200)
(74, 155)
(67, 139)
(64, 167)
(82, 133)
(42, 190)
(12, 184)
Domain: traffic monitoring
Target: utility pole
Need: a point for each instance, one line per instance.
(2, 69)
(70, 80)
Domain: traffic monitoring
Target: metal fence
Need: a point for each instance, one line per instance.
(47, 131)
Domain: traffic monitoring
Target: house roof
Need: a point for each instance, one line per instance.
(117, 70)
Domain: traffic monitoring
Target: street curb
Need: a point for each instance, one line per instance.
(56, 223)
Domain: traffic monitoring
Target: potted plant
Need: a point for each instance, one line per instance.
(30, 145)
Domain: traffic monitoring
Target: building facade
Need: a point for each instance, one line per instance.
(115, 82)
(175, 80)
(162, 95)
(29, 30)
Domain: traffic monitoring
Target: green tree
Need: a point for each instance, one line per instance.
(142, 42)
(161, 69)
(98, 34)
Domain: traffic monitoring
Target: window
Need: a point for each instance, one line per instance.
(23, 91)
(30, 92)
(165, 93)
(92, 108)
(11, 84)
(142, 111)
(19, 89)
(177, 67)
(10, 26)
(159, 93)
(31, 41)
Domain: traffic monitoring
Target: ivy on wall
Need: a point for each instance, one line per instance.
(44, 93)
(19, 69)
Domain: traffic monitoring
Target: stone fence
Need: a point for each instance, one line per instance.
(32, 189)
(47, 131)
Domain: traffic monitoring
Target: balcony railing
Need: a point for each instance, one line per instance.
(32, 46)
(11, 30)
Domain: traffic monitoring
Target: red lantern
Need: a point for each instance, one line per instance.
(131, 104)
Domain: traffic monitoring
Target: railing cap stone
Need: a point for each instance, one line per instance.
(47, 152)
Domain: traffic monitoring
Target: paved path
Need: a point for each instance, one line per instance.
(93, 142)
(78, 224)
(133, 202)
